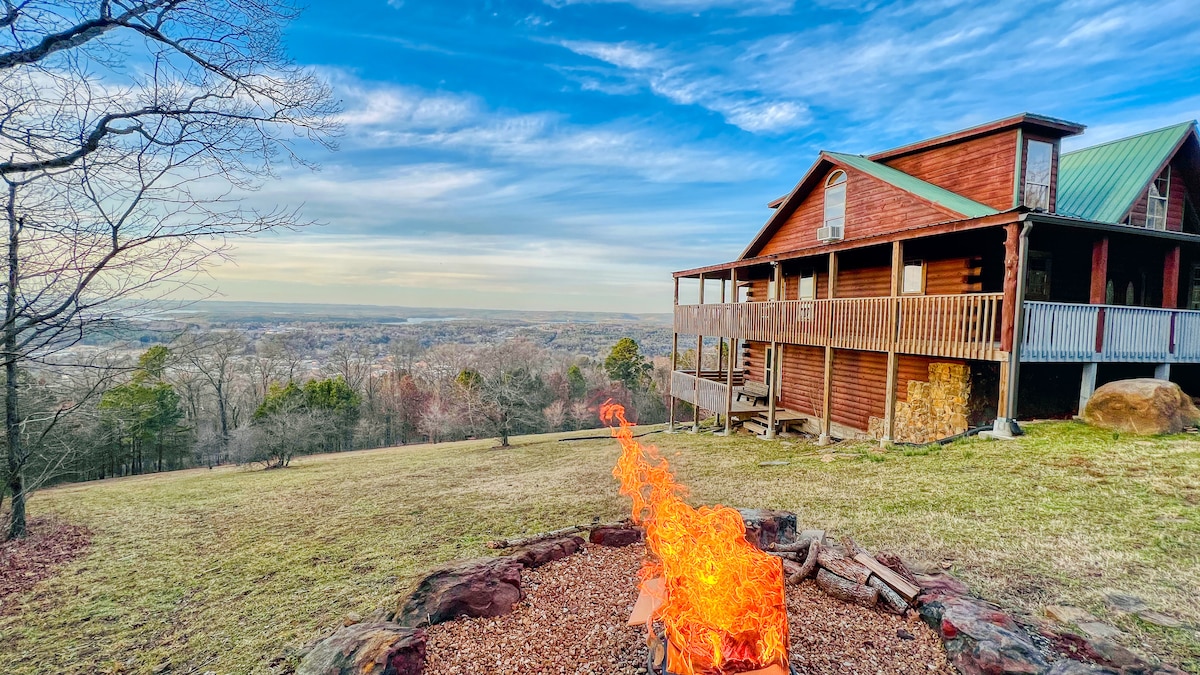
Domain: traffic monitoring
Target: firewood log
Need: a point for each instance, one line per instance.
(842, 566)
(846, 590)
(890, 599)
(786, 555)
(800, 545)
(852, 547)
(893, 562)
(810, 563)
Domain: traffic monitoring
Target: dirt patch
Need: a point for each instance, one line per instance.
(24, 562)
(572, 620)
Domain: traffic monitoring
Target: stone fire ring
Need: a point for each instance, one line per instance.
(979, 637)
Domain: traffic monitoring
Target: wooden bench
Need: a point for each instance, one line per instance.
(754, 392)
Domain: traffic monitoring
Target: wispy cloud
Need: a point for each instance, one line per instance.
(746, 7)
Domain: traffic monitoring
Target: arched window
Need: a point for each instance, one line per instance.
(835, 206)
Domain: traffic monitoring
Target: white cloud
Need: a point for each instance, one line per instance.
(746, 7)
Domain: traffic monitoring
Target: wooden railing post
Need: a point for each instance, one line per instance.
(889, 419)
(733, 341)
(674, 364)
(699, 366)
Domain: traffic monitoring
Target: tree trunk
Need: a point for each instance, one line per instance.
(12, 420)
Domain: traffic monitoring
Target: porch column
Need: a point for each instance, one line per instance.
(889, 411)
(729, 365)
(1170, 293)
(722, 367)
(1099, 271)
(1162, 371)
(1009, 304)
(674, 364)
(827, 392)
(1088, 385)
(699, 362)
(774, 377)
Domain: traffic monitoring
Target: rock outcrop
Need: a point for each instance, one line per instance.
(377, 648)
(1141, 406)
(481, 587)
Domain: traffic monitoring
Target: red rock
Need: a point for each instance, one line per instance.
(615, 535)
(542, 552)
(481, 587)
(378, 648)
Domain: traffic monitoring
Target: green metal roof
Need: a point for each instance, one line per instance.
(1102, 182)
(928, 191)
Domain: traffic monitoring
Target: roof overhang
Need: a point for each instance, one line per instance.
(1047, 126)
(1038, 217)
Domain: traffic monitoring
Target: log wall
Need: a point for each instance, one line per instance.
(979, 168)
(873, 207)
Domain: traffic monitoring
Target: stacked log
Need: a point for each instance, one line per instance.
(850, 573)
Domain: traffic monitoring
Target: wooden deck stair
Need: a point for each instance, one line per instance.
(784, 419)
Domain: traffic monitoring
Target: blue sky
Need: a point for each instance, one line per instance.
(569, 154)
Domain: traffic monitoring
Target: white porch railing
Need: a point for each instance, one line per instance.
(703, 392)
(1064, 332)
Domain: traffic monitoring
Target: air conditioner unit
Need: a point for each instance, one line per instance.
(829, 233)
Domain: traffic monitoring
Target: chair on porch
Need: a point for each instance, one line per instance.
(753, 392)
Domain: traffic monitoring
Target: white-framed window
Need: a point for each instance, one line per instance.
(1039, 163)
(769, 367)
(806, 288)
(772, 290)
(835, 204)
(913, 280)
(1156, 201)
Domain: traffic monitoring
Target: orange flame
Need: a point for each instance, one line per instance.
(724, 610)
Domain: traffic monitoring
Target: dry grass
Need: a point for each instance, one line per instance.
(228, 570)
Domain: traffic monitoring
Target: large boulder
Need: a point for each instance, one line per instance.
(1141, 406)
(482, 587)
(377, 648)
(982, 640)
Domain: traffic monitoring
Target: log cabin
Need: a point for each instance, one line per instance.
(964, 281)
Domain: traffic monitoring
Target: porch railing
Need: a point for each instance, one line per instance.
(1066, 332)
(965, 326)
(705, 393)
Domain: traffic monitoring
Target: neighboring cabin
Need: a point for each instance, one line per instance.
(899, 275)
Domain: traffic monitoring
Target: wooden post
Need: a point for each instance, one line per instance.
(1087, 385)
(1002, 400)
(827, 391)
(1012, 237)
(674, 365)
(722, 366)
(1170, 292)
(774, 386)
(889, 412)
(1162, 371)
(732, 358)
(1099, 271)
(699, 369)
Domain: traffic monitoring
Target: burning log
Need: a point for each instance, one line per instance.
(846, 590)
(842, 566)
(810, 563)
(890, 599)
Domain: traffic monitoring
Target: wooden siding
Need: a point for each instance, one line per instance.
(977, 168)
(803, 382)
(859, 380)
(873, 207)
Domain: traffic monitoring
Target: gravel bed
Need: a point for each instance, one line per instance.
(572, 622)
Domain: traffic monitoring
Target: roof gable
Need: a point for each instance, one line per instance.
(939, 199)
(1102, 182)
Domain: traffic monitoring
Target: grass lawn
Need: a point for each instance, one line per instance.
(227, 570)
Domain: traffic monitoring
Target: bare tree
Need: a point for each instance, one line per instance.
(125, 127)
(504, 390)
(213, 356)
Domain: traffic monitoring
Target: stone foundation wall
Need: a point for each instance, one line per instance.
(934, 409)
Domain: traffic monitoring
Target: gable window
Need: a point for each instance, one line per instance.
(913, 281)
(835, 207)
(1156, 201)
(1039, 161)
